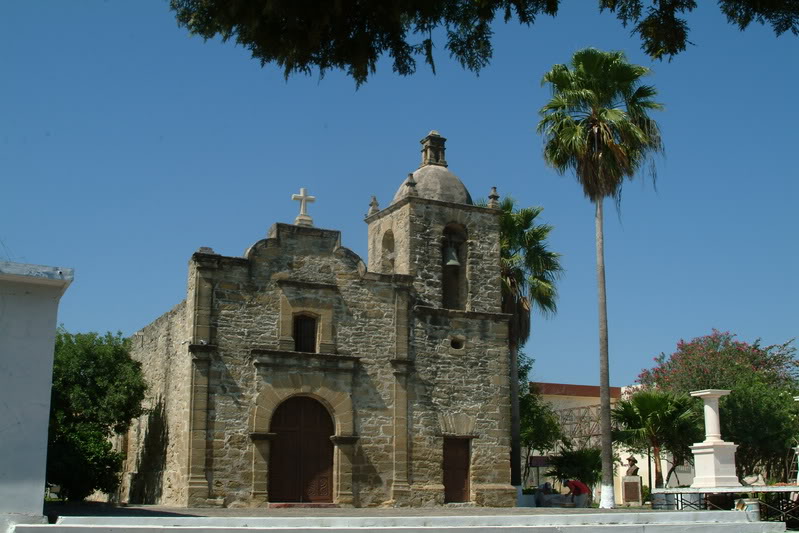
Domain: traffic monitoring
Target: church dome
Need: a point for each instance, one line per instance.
(433, 180)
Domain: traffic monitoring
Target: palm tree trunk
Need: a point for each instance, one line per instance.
(515, 420)
(658, 471)
(672, 470)
(608, 497)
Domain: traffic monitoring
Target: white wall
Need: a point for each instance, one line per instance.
(29, 296)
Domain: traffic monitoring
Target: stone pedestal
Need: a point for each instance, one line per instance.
(714, 459)
(631, 490)
(29, 297)
(714, 463)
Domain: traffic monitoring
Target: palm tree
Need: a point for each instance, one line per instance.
(658, 420)
(596, 124)
(529, 271)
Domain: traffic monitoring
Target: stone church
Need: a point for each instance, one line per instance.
(299, 374)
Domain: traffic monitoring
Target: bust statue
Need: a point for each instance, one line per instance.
(632, 468)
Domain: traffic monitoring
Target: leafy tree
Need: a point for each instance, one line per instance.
(664, 33)
(529, 271)
(597, 125)
(719, 361)
(763, 380)
(351, 35)
(768, 450)
(97, 390)
(540, 427)
(659, 420)
(584, 464)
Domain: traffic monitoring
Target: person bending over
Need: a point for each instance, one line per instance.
(579, 492)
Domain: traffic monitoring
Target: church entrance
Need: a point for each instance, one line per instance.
(456, 470)
(301, 455)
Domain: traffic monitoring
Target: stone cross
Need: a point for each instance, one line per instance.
(304, 198)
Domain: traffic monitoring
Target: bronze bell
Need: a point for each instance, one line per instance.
(451, 256)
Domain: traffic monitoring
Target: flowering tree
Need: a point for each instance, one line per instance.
(760, 414)
(718, 361)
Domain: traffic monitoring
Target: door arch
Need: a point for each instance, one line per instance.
(301, 455)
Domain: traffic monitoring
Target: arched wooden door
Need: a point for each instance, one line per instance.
(301, 454)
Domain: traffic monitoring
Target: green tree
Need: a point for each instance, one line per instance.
(529, 271)
(97, 390)
(659, 420)
(540, 428)
(584, 464)
(769, 449)
(352, 35)
(597, 125)
(763, 380)
(719, 361)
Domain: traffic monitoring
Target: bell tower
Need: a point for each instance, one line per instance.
(433, 231)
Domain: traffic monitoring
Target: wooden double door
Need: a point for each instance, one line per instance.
(301, 453)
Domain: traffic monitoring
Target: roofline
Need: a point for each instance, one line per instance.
(567, 389)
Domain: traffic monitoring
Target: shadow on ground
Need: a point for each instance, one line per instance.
(55, 509)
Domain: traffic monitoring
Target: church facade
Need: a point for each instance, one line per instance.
(299, 374)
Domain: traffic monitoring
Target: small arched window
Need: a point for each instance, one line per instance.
(305, 334)
(453, 264)
(387, 252)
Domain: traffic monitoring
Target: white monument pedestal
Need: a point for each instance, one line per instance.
(714, 463)
(29, 296)
(714, 459)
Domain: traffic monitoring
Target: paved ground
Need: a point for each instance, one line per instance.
(54, 509)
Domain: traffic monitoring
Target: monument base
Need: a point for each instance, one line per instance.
(631, 490)
(714, 463)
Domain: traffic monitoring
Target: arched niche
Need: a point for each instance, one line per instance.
(453, 265)
(387, 252)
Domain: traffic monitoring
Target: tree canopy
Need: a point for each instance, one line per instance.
(97, 390)
(529, 270)
(352, 35)
(719, 361)
(763, 380)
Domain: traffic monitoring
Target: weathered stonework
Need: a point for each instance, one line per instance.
(396, 370)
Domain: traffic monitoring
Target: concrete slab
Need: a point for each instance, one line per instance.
(397, 521)
(401, 520)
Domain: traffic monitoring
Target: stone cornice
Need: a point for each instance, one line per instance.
(459, 313)
(303, 284)
(415, 199)
(344, 439)
(262, 435)
(202, 352)
(204, 260)
(460, 436)
(330, 361)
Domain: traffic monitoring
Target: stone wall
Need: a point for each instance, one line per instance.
(461, 392)
(298, 269)
(396, 373)
(417, 225)
(155, 445)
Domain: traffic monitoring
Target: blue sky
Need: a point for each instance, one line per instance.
(126, 144)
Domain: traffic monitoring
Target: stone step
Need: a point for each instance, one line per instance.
(581, 522)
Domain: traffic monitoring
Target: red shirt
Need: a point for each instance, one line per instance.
(578, 487)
